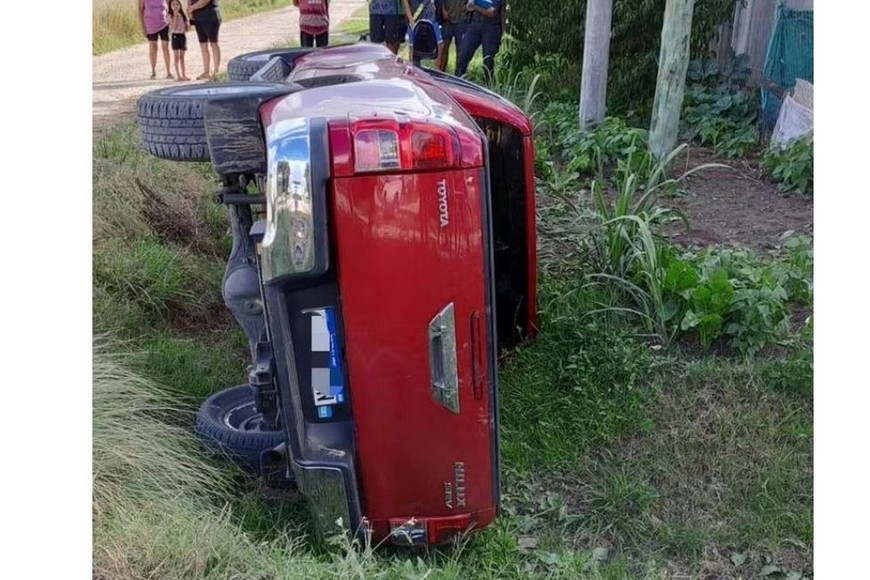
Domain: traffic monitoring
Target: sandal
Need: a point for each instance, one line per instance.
(169, 76)
(202, 77)
(153, 76)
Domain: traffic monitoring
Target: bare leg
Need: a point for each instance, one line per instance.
(176, 56)
(183, 68)
(393, 46)
(152, 56)
(164, 44)
(216, 52)
(443, 53)
(206, 61)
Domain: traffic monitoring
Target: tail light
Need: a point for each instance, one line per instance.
(390, 145)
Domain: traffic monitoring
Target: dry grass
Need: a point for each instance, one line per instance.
(115, 25)
(136, 195)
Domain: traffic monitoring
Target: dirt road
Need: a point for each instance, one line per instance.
(120, 77)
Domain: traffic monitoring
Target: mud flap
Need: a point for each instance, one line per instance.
(234, 133)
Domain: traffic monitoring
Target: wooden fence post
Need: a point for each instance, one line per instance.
(671, 82)
(596, 52)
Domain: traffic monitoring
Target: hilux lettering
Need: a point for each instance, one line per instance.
(459, 480)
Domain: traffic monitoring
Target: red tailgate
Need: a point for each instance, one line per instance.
(410, 246)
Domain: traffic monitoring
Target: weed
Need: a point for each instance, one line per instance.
(136, 195)
(792, 167)
(620, 506)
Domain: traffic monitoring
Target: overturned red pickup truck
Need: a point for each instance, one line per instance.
(383, 224)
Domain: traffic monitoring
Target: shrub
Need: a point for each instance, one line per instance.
(792, 167)
(718, 110)
(612, 145)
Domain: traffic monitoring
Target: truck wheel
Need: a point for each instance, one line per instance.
(172, 120)
(229, 423)
(243, 67)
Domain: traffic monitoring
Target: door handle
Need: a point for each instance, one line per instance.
(442, 359)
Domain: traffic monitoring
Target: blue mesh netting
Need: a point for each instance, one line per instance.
(789, 57)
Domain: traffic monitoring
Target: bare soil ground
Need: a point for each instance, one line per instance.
(120, 77)
(737, 205)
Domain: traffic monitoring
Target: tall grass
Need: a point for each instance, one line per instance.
(116, 22)
(162, 510)
(115, 25)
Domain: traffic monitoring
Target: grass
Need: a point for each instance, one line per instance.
(116, 22)
(351, 29)
(577, 378)
(620, 460)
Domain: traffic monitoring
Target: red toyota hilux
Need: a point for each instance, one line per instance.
(383, 252)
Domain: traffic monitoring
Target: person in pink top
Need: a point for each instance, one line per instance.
(178, 25)
(154, 18)
(313, 22)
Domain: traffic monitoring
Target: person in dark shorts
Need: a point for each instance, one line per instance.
(483, 29)
(154, 18)
(178, 25)
(313, 22)
(387, 23)
(453, 17)
(206, 17)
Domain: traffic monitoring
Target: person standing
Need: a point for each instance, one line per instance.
(453, 16)
(387, 23)
(484, 28)
(415, 11)
(206, 16)
(154, 18)
(313, 22)
(178, 25)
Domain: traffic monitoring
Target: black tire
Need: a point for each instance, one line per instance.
(244, 66)
(172, 120)
(228, 423)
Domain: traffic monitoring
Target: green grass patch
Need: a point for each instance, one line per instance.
(579, 378)
(351, 29)
(197, 366)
